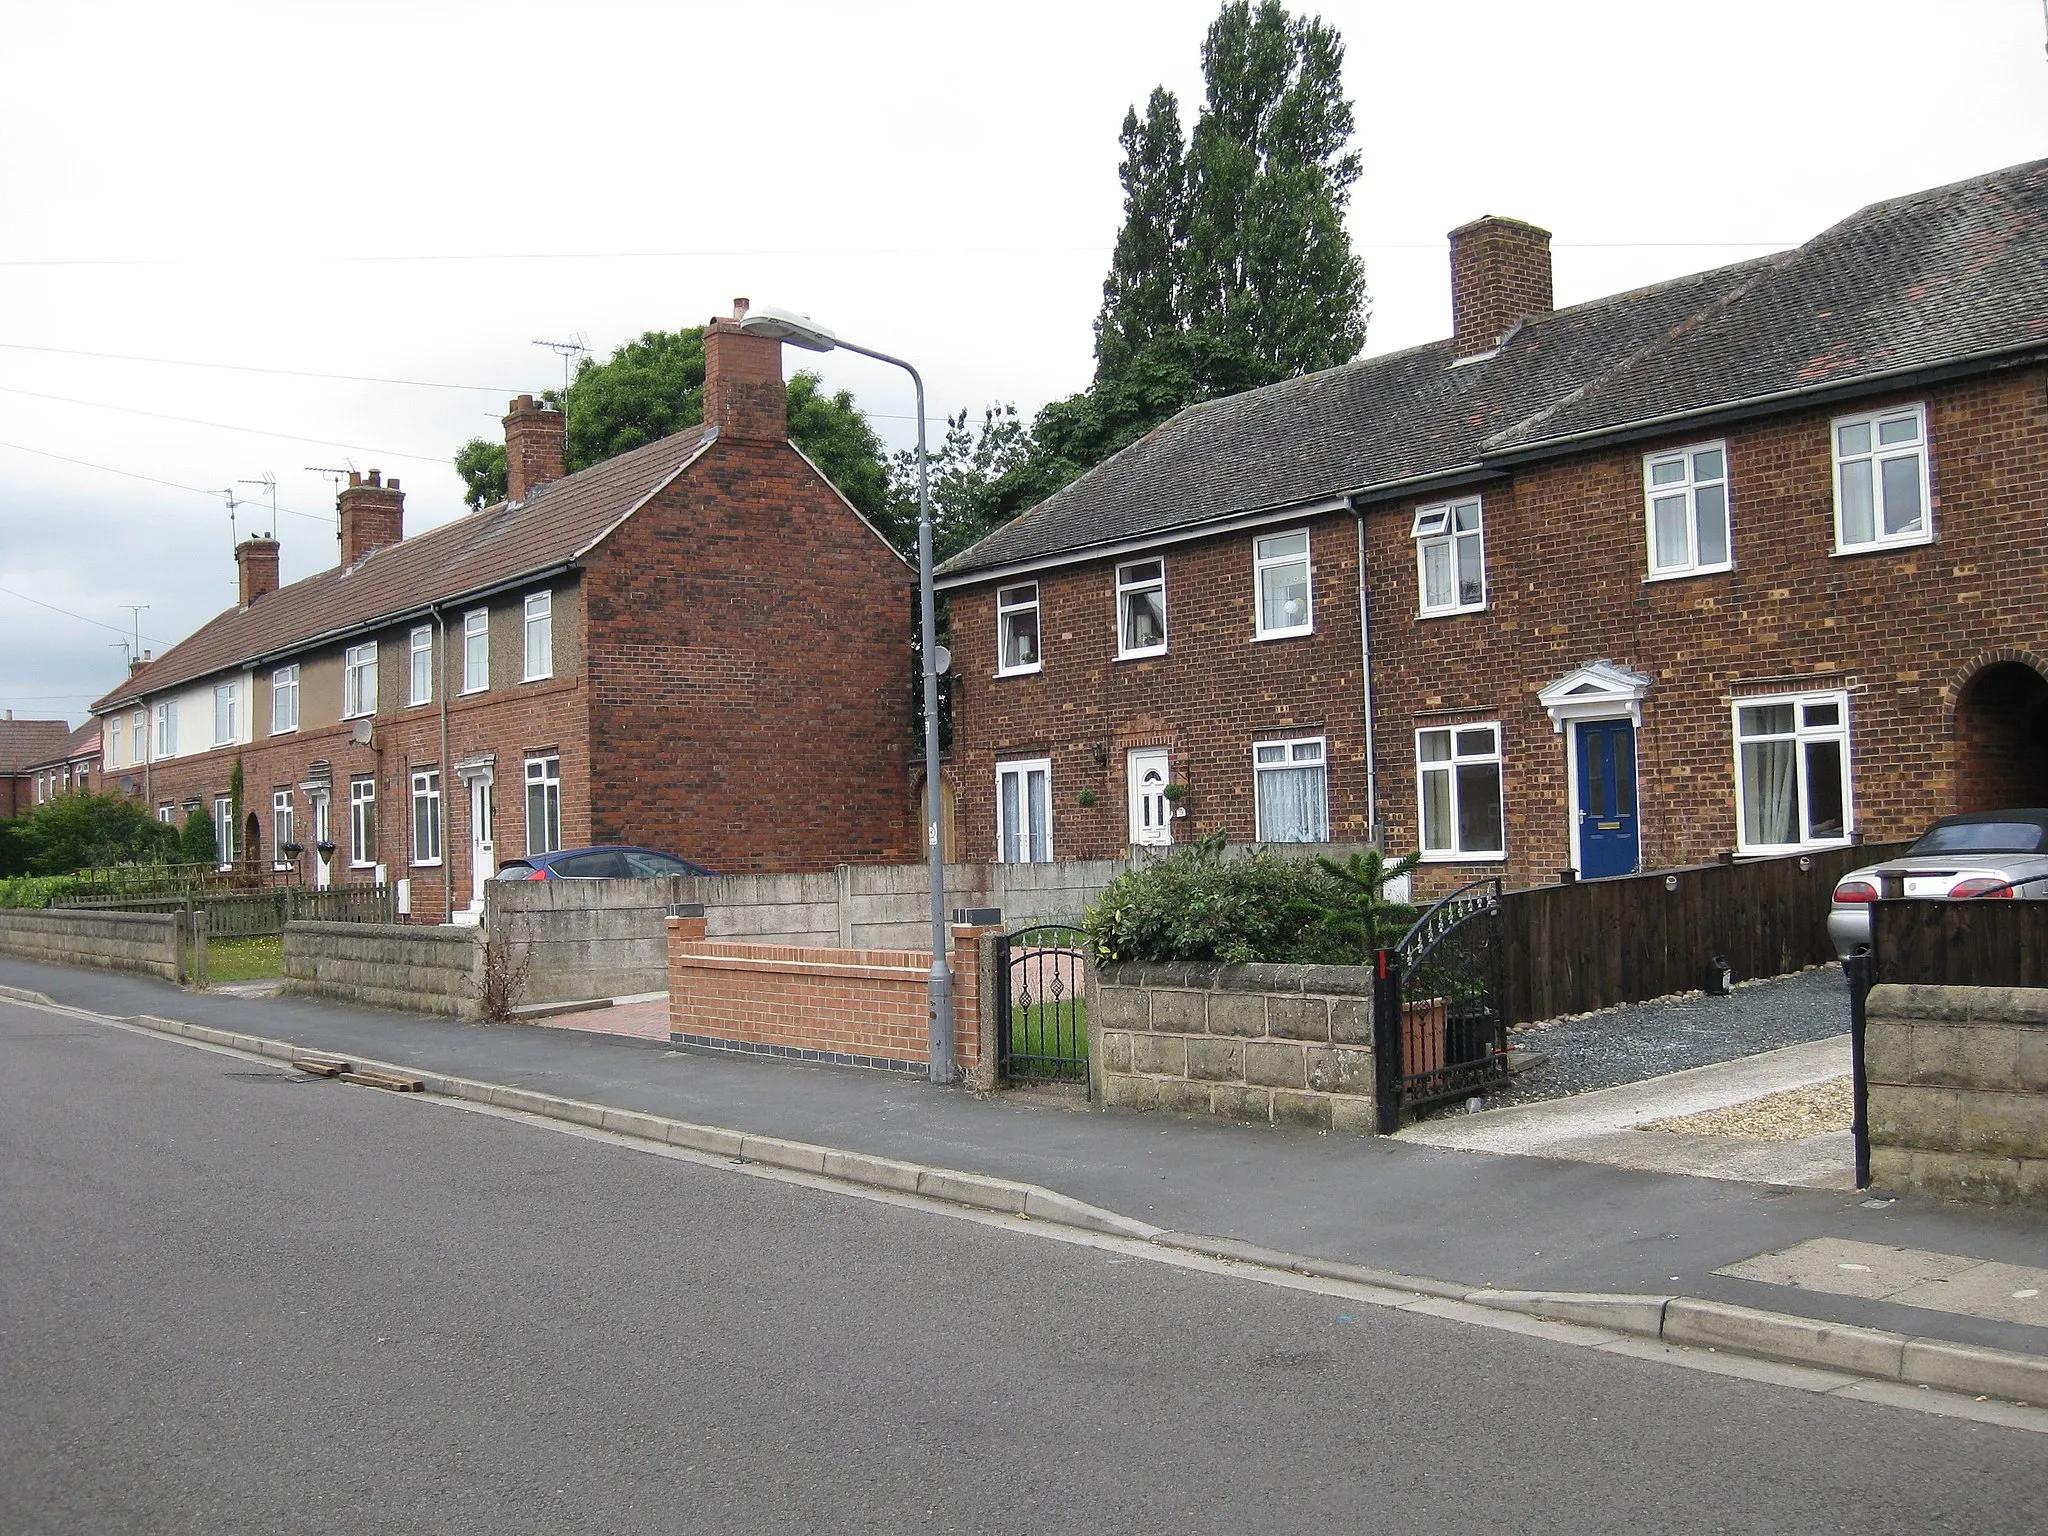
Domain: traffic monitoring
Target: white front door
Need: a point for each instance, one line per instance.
(1151, 811)
(323, 869)
(482, 855)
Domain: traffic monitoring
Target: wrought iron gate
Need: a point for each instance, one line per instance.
(1042, 1004)
(1439, 1027)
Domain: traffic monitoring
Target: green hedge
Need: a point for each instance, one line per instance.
(37, 890)
(1198, 905)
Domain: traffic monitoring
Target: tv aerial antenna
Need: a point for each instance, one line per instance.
(578, 345)
(269, 483)
(340, 478)
(234, 537)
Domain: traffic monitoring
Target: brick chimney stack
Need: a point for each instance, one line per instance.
(372, 515)
(137, 663)
(744, 395)
(536, 442)
(258, 561)
(1500, 273)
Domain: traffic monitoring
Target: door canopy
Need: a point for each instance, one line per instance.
(1599, 690)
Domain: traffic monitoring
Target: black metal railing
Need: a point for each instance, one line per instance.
(1042, 1004)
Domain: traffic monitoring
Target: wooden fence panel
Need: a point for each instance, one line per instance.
(1961, 943)
(1596, 943)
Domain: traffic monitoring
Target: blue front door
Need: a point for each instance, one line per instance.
(1607, 799)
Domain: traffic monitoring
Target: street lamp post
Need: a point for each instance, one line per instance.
(802, 331)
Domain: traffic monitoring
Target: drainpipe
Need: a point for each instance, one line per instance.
(447, 776)
(1372, 794)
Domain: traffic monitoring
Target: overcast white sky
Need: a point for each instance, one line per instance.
(418, 190)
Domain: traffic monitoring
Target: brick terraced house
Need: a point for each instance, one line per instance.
(73, 765)
(32, 754)
(697, 646)
(1750, 562)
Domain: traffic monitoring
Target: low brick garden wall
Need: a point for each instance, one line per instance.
(854, 1007)
(1958, 1082)
(1270, 1044)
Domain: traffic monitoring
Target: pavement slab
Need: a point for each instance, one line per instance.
(1474, 1218)
(1945, 1282)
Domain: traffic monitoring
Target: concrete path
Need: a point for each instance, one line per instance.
(1602, 1126)
(1474, 1218)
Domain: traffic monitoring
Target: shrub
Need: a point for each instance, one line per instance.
(37, 890)
(1197, 905)
(201, 845)
(75, 831)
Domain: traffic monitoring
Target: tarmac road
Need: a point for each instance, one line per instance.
(232, 1300)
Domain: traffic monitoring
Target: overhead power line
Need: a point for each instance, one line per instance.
(225, 426)
(117, 629)
(288, 373)
(196, 490)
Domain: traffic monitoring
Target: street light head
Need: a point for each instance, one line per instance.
(787, 325)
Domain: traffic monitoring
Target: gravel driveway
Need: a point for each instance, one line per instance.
(1643, 1040)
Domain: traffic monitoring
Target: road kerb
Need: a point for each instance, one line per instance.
(1678, 1321)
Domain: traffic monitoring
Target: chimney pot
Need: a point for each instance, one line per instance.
(744, 395)
(1500, 274)
(739, 309)
(372, 516)
(536, 447)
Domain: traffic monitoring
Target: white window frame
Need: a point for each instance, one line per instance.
(426, 800)
(224, 829)
(1448, 767)
(1297, 753)
(1008, 607)
(419, 669)
(167, 814)
(1688, 486)
(114, 742)
(544, 773)
(281, 818)
(537, 633)
(1021, 769)
(224, 714)
(1129, 587)
(284, 700)
(362, 817)
(476, 650)
(1436, 527)
(359, 681)
(166, 730)
(138, 737)
(1263, 562)
(1802, 736)
(1879, 455)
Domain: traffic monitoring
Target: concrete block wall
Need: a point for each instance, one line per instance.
(860, 1007)
(387, 965)
(1270, 1044)
(144, 942)
(1958, 1080)
(583, 938)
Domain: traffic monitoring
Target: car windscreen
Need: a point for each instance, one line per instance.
(1984, 837)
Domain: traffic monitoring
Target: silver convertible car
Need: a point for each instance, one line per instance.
(1997, 854)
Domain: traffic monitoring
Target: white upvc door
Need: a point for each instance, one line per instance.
(1151, 811)
(482, 851)
(323, 870)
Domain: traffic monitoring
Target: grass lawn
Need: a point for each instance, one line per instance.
(245, 959)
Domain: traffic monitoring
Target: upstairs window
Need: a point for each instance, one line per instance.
(540, 636)
(284, 700)
(359, 681)
(1686, 495)
(1141, 608)
(1280, 572)
(1458, 775)
(166, 729)
(224, 714)
(1791, 772)
(1881, 492)
(1017, 629)
(1292, 790)
(113, 743)
(420, 652)
(138, 737)
(476, 650)
(1450, 557)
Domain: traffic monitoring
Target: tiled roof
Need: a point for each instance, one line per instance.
(472, 554)
(26, 744)
(1954, 273)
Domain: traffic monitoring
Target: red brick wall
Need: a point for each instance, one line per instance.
(851, 1002)
(1209, 698)
(750, 665)
(1901, 630)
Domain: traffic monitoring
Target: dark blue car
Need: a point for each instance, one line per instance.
(610, 863)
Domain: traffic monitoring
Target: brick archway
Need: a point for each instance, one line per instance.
(2000, 712)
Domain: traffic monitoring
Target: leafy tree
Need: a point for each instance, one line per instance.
(86, 831)
(199, 843)
(653, 387)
